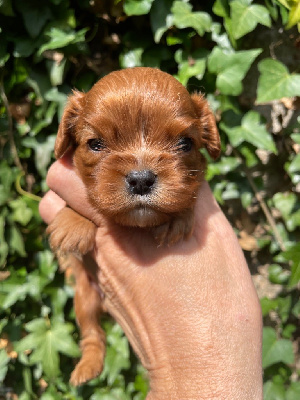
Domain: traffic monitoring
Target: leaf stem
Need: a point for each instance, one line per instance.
(21, 191)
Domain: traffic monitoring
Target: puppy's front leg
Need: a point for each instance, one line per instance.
(178, 228)
(71, 233)
(88, 309)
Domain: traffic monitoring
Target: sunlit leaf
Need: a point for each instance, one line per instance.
(276, 350)
(137, 7)
(275, 81)
(245, 16)
(252, 131)
(231, 68)
(183, 17)
(274, 391)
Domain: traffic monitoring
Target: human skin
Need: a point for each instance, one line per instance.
(190, 311)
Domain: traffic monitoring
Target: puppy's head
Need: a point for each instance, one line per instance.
(136, 137)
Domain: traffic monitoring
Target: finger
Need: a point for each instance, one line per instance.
(63, 180)
(50, 205)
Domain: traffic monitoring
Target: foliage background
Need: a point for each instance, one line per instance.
(244, 55)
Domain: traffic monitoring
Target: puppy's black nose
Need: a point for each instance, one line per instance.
(140, 182)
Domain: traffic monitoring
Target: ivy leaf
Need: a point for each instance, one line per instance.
(274, 391)
(4, 360)
(221, 38)
(275, 81)
(117, 353)
(222, 167)
(21, 212)
(277, 274)
(46, 339)
(132, 58)
(137, 7)
(251, 131)
(221, 8)
(60, 38)
(185, 18)
(292, 254)
(231, 68)
(16, 241)
(295, 164)
(35, 15)
(245, 17)
(285, 203)
(276, 350)
(293, 392)
(64, 343)
(161, 18)
(189, 66)
(294, 15)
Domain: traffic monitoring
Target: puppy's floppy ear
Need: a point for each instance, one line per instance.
(210, 135)
(66, 130)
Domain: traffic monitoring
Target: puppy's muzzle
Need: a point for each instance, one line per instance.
(140, 182)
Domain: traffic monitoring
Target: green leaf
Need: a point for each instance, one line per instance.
(15, 241)
(251, 131)
(288, 331)
(190, 65)
(293, 392)
(132, 58)
(221, 8)
(4, 54)
(276, 350)
(117, 354)
(221, 38)
(268, 305)
(57, 71)
(137, 7)
(231, 68)
(285, 203)
(161, 18)
(274, 391)
(277, 274)
(4, 360)
(35, 14)
(245, 17)
(21, 212)
(24, 47)
(295, 164)
(293, 254)
(46, 339)
(60, 39)
(275, 82)
(47, 355)
(222, 167)
(6, 8)
(295, 275)
(293, 221)
(294, 15)
(185, 18)
(64, 342)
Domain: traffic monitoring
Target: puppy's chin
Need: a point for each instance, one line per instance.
(142, 217)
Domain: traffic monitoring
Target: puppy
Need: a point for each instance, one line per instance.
(135, 137)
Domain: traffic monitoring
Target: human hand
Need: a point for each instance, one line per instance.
(190, 311)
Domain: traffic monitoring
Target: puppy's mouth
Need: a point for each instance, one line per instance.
(141, 215)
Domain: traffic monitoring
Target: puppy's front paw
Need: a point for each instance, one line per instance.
(86, 370)
(71, 233)
(175, 230)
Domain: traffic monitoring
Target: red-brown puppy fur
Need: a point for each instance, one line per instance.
(131, 122)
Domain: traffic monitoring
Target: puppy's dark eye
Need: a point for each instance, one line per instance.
(96, 144)
(184, 144)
